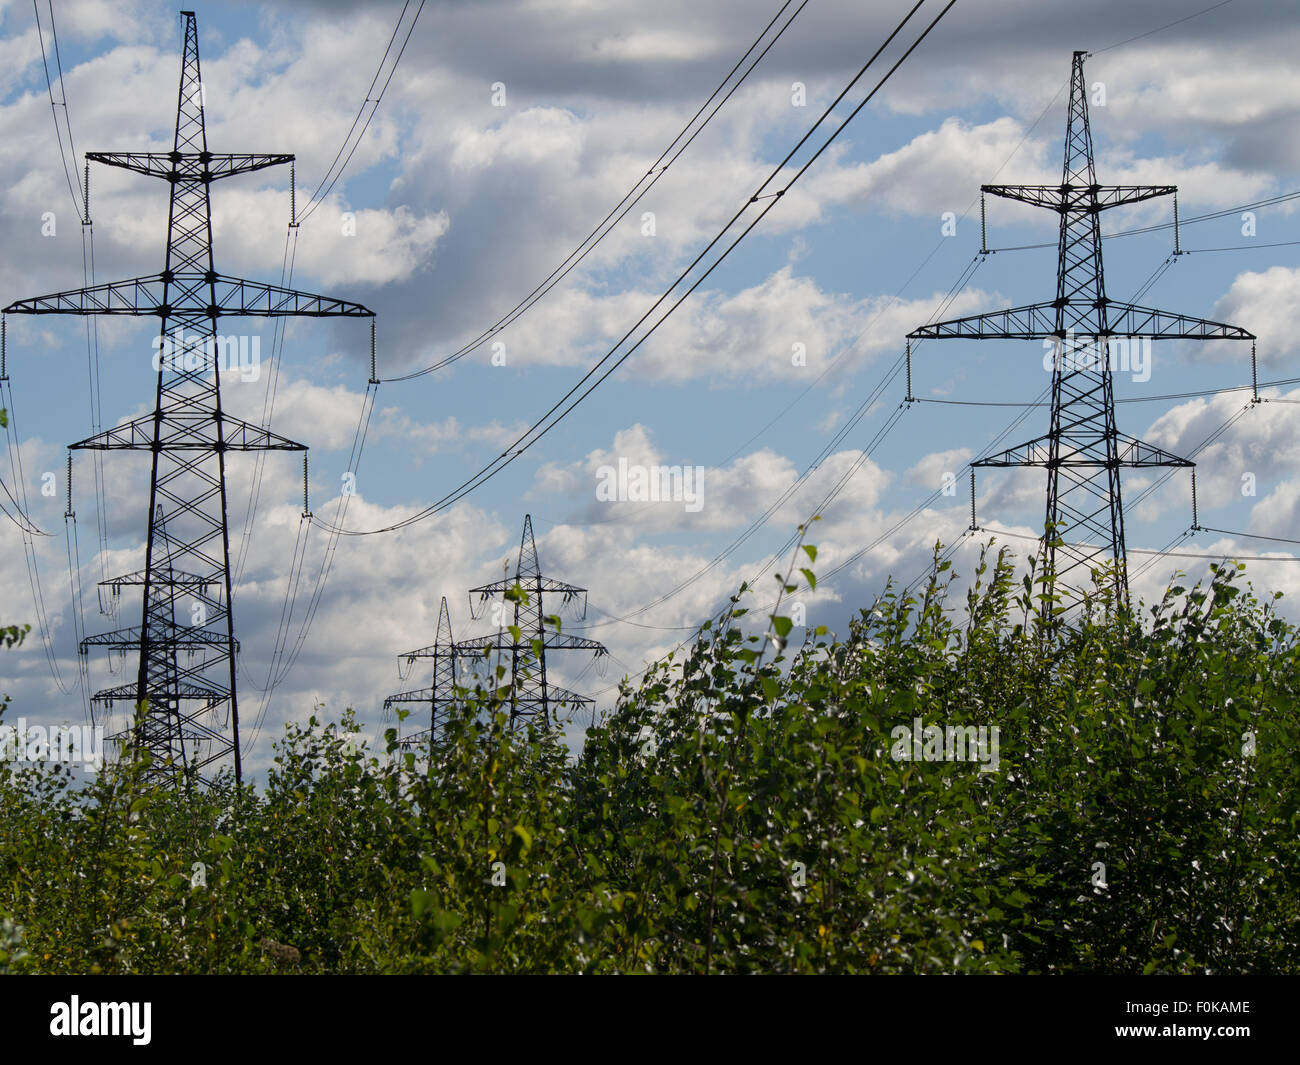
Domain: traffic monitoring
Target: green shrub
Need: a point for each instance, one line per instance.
(742, 809)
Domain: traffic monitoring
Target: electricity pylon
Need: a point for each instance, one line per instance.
(440, 695)
(1083, 451)
(531, 693)
(186, 577)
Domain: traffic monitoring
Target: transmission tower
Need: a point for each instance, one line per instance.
(531, 694)
(186, 577)
(438, 697)
(1084, 451)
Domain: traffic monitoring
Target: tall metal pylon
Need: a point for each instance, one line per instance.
(1083, 451)
(531, 693)
(440, 695)
(186, 577)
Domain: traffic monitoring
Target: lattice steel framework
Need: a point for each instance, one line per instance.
(191, 720)
(440, 695)
(1084, 451)
(531, 693)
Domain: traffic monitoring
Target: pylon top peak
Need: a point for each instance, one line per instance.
(528, 564)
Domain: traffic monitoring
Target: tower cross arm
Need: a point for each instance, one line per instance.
(213, 294)
(421, 695)
(433, 650)
(1078, 197)
(202, 166)
(1039, 320)
(1130, 320)
(135, 295)
(182, 690)
(558, 696)
(527, 583)
(475, 645)
(1016, 323)
(235, 296)
(180, 431)
(1130, 452)
(186, 639)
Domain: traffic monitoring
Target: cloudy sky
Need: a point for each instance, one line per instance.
(507, 132)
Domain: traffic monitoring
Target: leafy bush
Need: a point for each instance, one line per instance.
(737, 812)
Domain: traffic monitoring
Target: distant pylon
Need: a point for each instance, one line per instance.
(1084, 451)
(186, 576)
(531, 693)
(440, 695)
(174, 734)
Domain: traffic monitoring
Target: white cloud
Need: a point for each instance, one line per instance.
(1266, 303)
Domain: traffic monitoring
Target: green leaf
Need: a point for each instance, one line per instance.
(421, 900)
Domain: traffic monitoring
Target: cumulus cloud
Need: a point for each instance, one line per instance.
(1266, 303)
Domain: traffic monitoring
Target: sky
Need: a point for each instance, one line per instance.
(508, 130)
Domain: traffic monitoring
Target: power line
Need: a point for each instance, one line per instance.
(630, 199)
(550, 419)
(54, 107)
(1161, 29)
(1243, 247)
(323, 189)
(1253, 536)
(864, 408)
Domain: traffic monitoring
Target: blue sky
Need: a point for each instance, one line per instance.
(462, 207)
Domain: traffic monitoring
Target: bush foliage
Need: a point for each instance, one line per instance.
(740, 810)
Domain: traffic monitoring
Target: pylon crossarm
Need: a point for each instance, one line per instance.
(136, 295)
(196, 166)
(562, 641)
(1035, 453)
(186, 639)
(253, 298)
(486, 591)
(188, 433)
(423, 695)
(557, 696)
(553, 642)
(1130, 320)
(1092, 453)
(1079, 197)
(215, 296)
(1037, 321)
(1016, 323)
(182, 690)
(175, 579)
(432, 651)
(1138, 453)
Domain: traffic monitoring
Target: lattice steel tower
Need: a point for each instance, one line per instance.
(1084, 451)
(192, 717)
(440, 695)
(531, 693)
